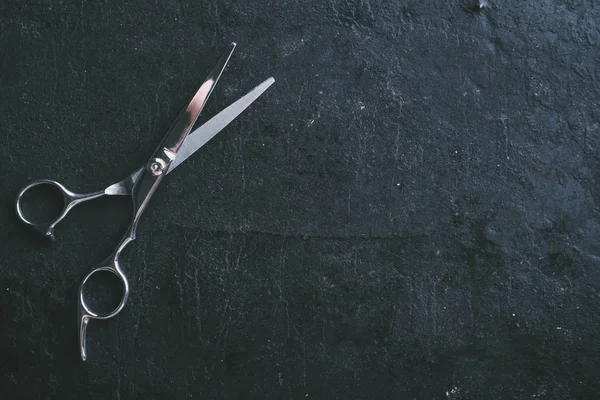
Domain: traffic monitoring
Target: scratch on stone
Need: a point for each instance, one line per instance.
(504, 119)
(397, 144)
(301, 92)
(223, 334)
(118, 383)
(241, 250)
(55, 67)
(197, 296)
(242, 165)
(348, 203)
(180, 290)
(304, 363)
(291, 48)
(81, 15)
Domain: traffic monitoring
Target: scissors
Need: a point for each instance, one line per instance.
(177, 145)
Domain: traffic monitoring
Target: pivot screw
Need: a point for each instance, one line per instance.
(157, 166)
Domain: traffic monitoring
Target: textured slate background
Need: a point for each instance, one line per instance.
(411, 211)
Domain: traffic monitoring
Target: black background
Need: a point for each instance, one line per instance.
(411, 211)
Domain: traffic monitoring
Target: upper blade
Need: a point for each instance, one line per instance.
(186, 120)
(202, 135)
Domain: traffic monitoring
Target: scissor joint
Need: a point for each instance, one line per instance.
(157, 166)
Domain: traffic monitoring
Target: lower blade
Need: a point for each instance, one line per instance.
(202, 135)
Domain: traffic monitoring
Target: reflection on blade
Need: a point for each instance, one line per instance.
(186, 120)
(202, 135)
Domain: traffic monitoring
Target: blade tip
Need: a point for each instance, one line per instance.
(268, 82)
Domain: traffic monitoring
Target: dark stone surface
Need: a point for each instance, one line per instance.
(410, 212)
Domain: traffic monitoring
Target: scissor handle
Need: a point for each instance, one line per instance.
(86, 313)
(70, 200)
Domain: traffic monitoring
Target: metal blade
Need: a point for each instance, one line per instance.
(198, 138)
(186, 120)
(202, 135)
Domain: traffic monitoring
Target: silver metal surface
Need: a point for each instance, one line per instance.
(186, 120)
(143, 190)
(202, 135)
(70, 200)
(157, 166)
(125, 186)
(177, 145)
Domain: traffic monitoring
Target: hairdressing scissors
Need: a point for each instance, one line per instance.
(177, 145)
